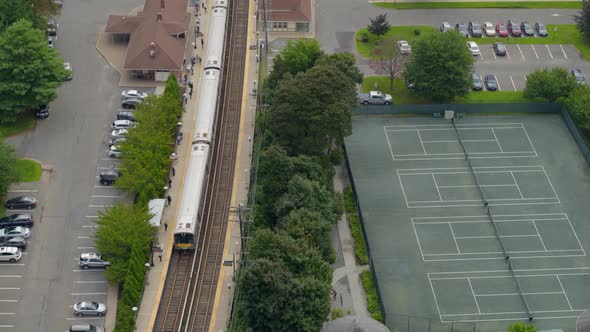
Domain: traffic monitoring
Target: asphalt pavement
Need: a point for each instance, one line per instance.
(71, 142)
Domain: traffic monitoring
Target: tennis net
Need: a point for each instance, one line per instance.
(460, 139)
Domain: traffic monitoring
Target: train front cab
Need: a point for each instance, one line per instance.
(184, 241)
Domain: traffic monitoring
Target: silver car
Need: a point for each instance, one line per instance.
(118, 133)
(10, 254)
(133, 94)
(122, 124)
(15, 231)
(489, 29)
(90, 308)
(88, 260)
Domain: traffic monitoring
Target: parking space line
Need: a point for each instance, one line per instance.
(85, 318)
(9, 301)
(522, 55)
(91, 216)
(108, 168)
(497, 83)
(92, 226)
(493, 53)
(101, 196)
(512, 81)
(109, 159)
(13, 264)
(551, 55)
(99, 206)
(7, 326)
(9, 288)
(507, 53)
(525, 79)
(10, 276)
(83, 248)
(76, 294)
(565, 55)
(90, 282)
(7, 313)
(84, 237)
(533, 46)
(23, 191)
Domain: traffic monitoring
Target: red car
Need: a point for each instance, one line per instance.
(501, 30)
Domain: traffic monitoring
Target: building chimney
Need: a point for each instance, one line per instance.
(162, 4)
(152, 50)
(159, 17)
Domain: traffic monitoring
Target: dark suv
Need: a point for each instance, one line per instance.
(475, 29)
(514, 28)
(42, 112)
(126, 115)
(109, 178)
(527, 29)
(17, 220)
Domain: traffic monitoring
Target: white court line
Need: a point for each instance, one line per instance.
(450, 141)
(564, 293)
(435, 300)
(488, 199)
(530, 142)
(474, 296)
(436, 185)
(480, 221)
(463, 154)
(535, 51)
(403, 191)
(481, 204)
(459, 125)
(539, 235)
(565, 55)
(500, 252)
(421, 143)
(471, 156)
(418, 240)
(550, 184)
(522, 55)
(454, 239)
(478, 167)
(497, 258)
(510, 276)
(497, 83)
(512, 81)
(388, 143)
(474, 185)
(23, 191)
(468, 172)
(493, 236)
(496, 137)
(575, 234)
(507, 319)
(516, 270)
(516, 183)
(516, 294)
(451, 128)
(551, 55)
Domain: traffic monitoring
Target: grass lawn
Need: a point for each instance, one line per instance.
(24, 122)
(565, 34)
(401, 95)
(28, 170)
(487, 4)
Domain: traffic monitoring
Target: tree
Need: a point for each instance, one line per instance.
(345, 63)
(521, 327)
(440, 67)
(390, 59)
(583, 19)
(310, 226)
(120, 228)
(8, 171)
(298, 56)
(30, 71)
(14, 10)
(578, 104)
(550, 84)
(379, 25)
(313, 110)
(173, 89)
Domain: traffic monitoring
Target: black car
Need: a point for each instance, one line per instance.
(125, 115)
(109, 178)
(42, 112)
(491, 83)
(499, 49)
(477, 84)
(17, 220)
(52, 27)
(474, 29)
(514, 28)
(460, 27)
(541, 29)
(16, 241)
(131, 102)
(527, 29)
(21, 202)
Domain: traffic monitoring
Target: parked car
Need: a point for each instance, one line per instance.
(541, 29)
(131, 102)
(90, 308)
(125, 115)
(85, 328)
(375, 98)
(109, 178)
(527, 29)
(133, 94)
(445, 26)
(114, 151)
(489, 29)
(473, 48)
(17, 241)
(461, 29)
(514, 28)
(122, 124)
(68, 68)
(17, 220)
(21, 202)
(404, 47)
(499, 49)
(117, 133)
(88, 260)
(51, 41)
(10, 254)
(15, 231)
(501, 30)
(116, 141)
(52, 27)
(578, 76)
(474, 29)
(42, 112)
(59, 3)
(477, 84)
(491, 83)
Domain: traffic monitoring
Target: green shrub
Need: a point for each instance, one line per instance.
(349, 201)
(364, 37)
(360, 249)
(337, 313)
(417, 32)
(336, 156)
(371, 292)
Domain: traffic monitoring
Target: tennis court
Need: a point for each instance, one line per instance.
(480, 221)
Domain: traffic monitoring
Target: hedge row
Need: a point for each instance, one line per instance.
(372, 299)
(360, 248)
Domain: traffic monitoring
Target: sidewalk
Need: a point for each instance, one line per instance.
(148, 309)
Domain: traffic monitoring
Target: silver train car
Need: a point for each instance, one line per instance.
(188, 224)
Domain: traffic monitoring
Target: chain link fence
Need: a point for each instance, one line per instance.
(405, 323)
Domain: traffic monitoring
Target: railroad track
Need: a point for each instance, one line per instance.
(189, 308)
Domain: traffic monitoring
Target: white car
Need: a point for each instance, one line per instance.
(445, 26)
(404, 47)
(473, 48)
(133, 94)
(68, 68)
(122, 124)
(10, 254)
(114, 152)
(90, 308)
(489, 29)
(119, 133)
(14, 231)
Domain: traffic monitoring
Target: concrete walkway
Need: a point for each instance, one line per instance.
(350, 295)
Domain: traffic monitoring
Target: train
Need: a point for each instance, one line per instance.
(188, 224)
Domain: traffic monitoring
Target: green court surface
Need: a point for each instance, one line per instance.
(475, 225)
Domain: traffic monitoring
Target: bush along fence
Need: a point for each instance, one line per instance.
(360, 248)
(372, 298)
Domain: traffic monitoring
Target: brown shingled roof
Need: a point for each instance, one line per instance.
(289, 10)
(158, 23)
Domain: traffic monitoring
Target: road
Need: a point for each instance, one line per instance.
(71, 142)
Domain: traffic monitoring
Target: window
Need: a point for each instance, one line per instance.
(279, 25)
